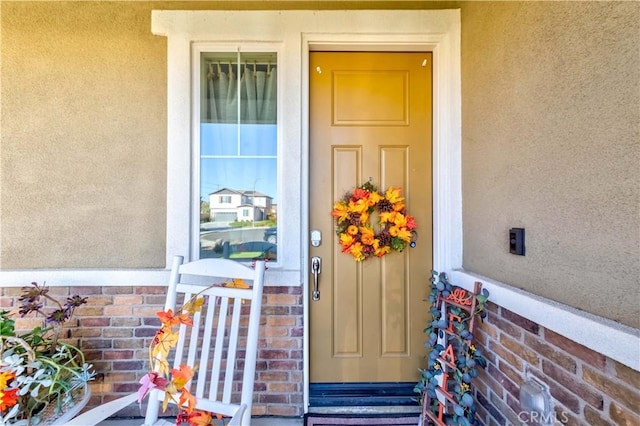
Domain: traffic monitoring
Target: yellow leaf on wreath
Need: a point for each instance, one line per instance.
(393, 195)
(356, 251)
(400, 220)
(387, 217)
(404, 234)
(346, 240)
(359, 206)
(374, 198)
(340, 211)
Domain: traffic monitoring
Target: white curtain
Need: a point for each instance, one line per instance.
(255, 88)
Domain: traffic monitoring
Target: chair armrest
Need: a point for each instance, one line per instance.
(236, 420)
(101, 412)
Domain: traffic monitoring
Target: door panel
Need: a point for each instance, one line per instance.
(370, 119)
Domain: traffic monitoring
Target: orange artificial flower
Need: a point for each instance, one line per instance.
(398, 207)
(360, 193)
(5, 378)
(411, 222)
(8, 398)
(366, 235)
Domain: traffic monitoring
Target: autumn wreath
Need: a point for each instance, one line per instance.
(353, 217)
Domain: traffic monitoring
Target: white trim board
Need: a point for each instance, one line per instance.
(86, 277)
(108, 277)
(614, 340)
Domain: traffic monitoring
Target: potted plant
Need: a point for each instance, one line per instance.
(43, 378)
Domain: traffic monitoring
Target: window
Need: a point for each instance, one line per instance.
(238, 154)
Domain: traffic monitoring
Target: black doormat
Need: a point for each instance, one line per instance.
(405, 419)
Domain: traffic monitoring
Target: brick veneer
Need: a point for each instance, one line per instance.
(586, 387)
(114, 330)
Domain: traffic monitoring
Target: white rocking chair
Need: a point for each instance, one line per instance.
(220, 315)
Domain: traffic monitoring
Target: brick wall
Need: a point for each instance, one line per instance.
(586, 387)
(115, 327)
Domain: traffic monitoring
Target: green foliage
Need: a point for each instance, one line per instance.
(7, 325)
(466, 356)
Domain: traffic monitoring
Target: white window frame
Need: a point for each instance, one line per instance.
(182, 173)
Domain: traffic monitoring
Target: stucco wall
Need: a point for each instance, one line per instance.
(83, 136)
(551, 143)
(550, 140)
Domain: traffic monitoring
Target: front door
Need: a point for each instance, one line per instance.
(370, 120)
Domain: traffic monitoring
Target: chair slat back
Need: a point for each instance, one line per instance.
(218, 337)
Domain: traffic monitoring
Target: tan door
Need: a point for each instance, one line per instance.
(370, 119)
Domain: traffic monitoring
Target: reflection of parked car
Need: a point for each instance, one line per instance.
(271, 235)
(253, 250)
(245, 251)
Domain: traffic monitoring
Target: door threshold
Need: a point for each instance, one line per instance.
(373, 409)
(363, 394)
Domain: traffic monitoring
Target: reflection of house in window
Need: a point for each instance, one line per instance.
(229, 205)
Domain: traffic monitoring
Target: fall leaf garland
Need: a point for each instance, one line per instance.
(356, 234)
(174, 382)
